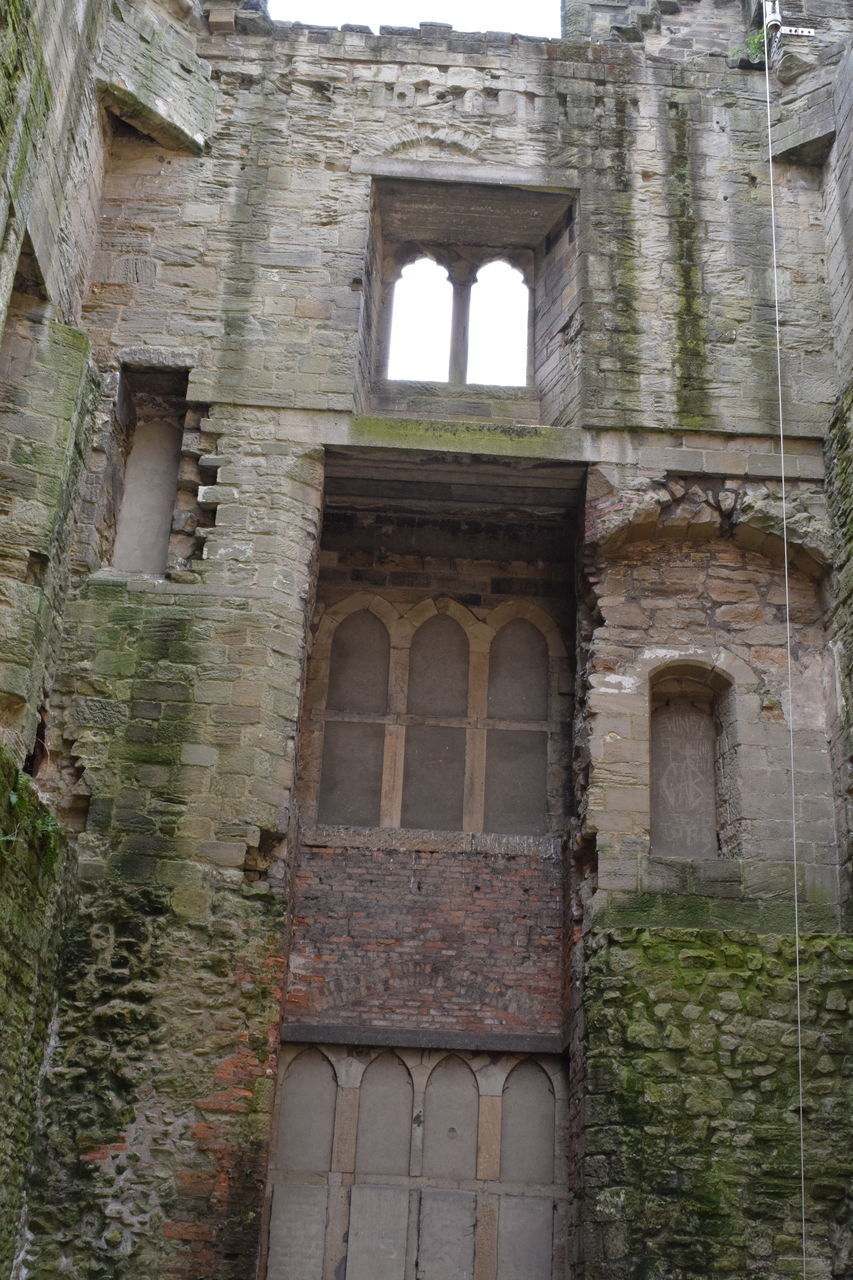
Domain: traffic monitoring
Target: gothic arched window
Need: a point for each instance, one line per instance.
(432, 719)
(498, 324)
(466, 322)
(421, 322)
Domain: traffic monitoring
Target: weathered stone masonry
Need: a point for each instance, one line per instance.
(201, 215)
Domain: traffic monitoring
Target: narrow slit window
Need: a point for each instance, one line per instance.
(420, 324)
(497, 336)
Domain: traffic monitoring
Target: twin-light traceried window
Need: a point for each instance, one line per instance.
(435, 720)
(460, 324)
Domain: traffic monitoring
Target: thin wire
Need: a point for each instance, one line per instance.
(788, 642)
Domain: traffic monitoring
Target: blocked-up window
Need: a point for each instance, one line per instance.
(457, 1160)
(690, 771)
(436, 720)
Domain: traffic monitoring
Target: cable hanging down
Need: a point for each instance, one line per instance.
(773, 28)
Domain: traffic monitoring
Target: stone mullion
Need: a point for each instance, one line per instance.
(474, 798)
(459, 331)
(395, 740)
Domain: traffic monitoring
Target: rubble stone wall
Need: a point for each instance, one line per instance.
(33, 884)
(692, 1136)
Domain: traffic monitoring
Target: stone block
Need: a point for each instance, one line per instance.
(223, 853)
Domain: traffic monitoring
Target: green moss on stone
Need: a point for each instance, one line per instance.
(692, 1132)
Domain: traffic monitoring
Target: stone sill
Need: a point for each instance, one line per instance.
(413, 840)
(439, 401)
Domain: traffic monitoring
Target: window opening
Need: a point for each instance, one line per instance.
(421, 323)
(508, 339)
(150, 490)
(498, 327)
(358, 674)
(439, 690)
(438, 669)
(384, 1140)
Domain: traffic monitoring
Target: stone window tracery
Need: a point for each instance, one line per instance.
(429, 718)
(461, 315)
(513, 354)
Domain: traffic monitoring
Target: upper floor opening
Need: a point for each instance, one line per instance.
(472, 295)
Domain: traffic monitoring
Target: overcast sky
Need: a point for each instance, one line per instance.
(534, 18)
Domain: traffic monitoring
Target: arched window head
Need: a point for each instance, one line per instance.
(353, 750)
(527, 1131)
(358, 670)
(451, 1107)
(420, 324)
(307, 1114)
(497, 335)
(438, 668)
(384, 1117)
(518, 673)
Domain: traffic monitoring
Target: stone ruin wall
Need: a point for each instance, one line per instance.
(190, 203)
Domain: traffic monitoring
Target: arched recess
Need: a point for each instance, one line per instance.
(538, 616)
(498, 348)
(434, 775)
(421, 317)
(518, 673)
(384, 1117)
(516, 781)
(351, 774)
(527, 1126)
(438, 669)
(307, 1114)
(451, 1112)
(358, 665)
(691, 761)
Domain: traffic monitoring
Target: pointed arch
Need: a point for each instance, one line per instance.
(306, 1122)
(384, 1117)
(451, 1111)
(438, 668)
(518, 672)
(498, 326)
(527, 1125)
(421, 317)
(358, 664)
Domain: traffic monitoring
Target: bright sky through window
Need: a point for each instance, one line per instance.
(497, 333)
(420, 324)
(535, 18)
